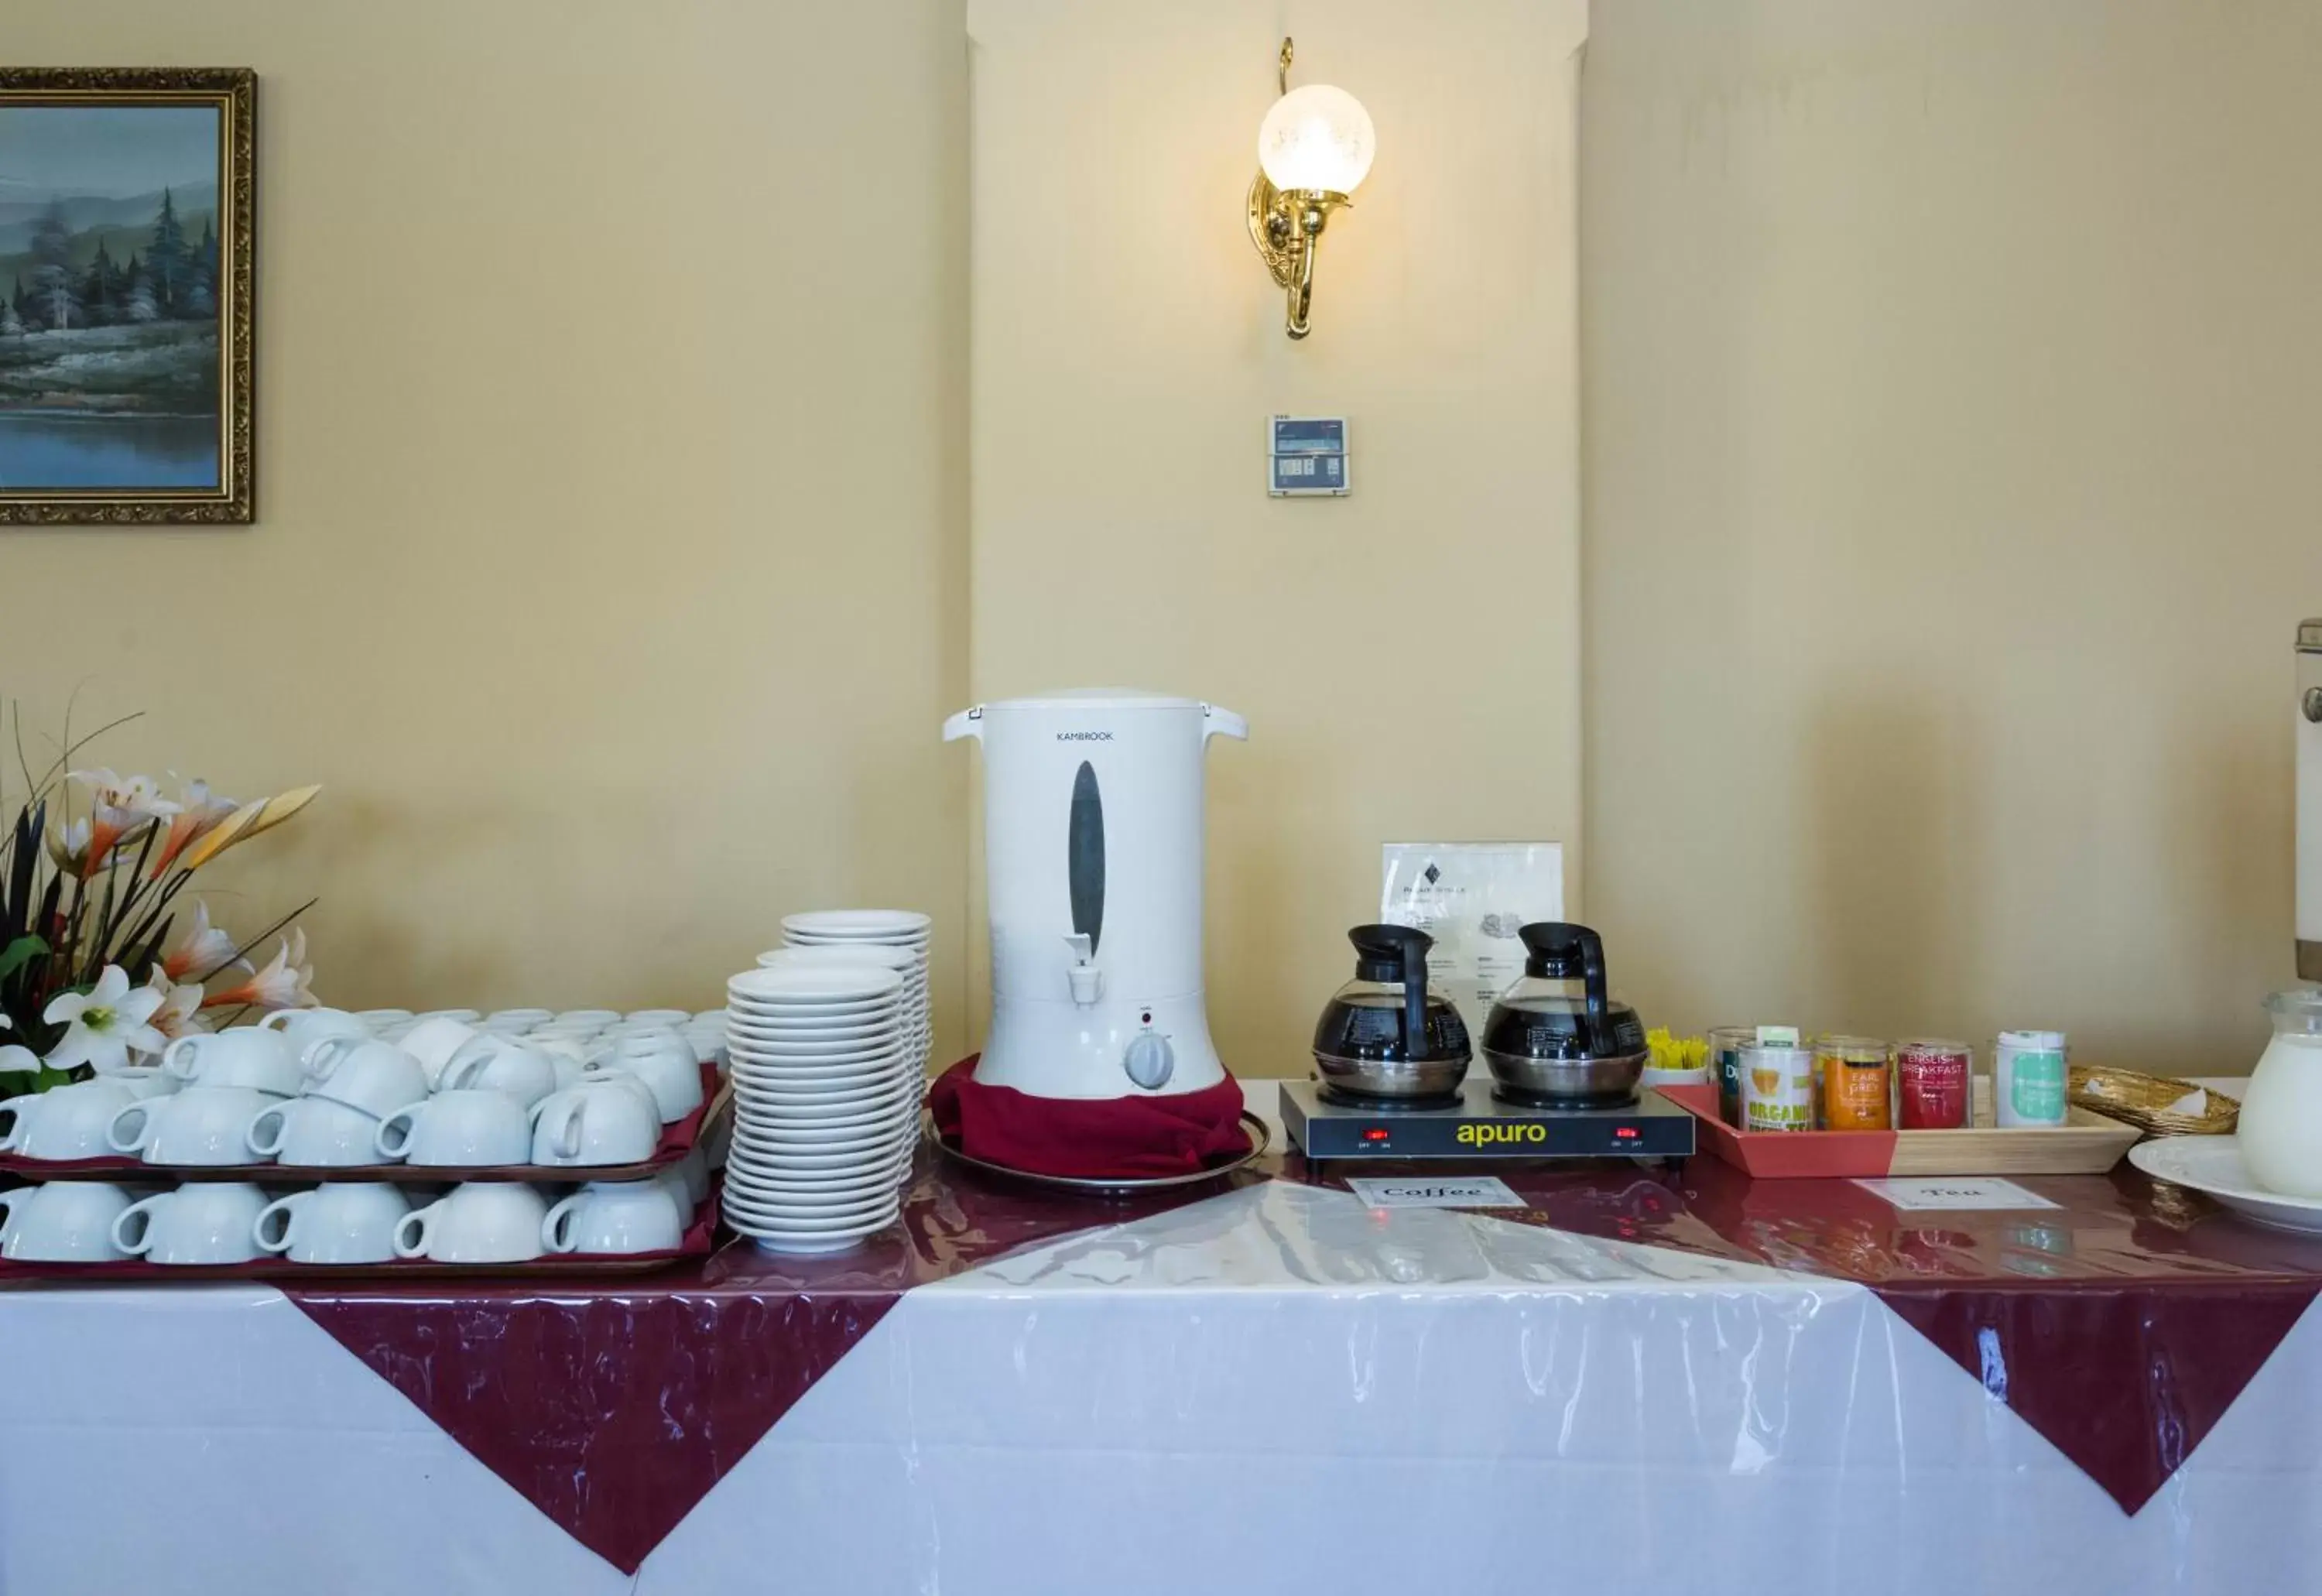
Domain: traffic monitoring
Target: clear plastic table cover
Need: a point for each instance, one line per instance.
(1639, 1375)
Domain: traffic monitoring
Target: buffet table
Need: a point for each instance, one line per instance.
(1640, 1378)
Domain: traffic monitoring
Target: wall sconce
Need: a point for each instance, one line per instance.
(1314, 146)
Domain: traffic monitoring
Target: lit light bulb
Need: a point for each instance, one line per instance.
(1316, 137)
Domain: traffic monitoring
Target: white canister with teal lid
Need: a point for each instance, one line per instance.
(2031, 1080)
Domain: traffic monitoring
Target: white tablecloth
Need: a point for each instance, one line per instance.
(1274, 1386)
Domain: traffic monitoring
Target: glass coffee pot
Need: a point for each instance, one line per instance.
(1556, 1037)
(1386, 1036)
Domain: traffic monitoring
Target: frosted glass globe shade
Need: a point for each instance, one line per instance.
(1316, 137)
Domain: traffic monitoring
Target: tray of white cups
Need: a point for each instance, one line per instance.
(825, 1066)
(246, 1229)
(325, 1095)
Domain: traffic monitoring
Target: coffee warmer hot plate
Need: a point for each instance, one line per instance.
(1478, 1125)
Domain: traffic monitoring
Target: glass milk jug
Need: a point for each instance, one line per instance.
(2281, 1115)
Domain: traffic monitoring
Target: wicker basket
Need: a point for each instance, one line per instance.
(2143, 1101)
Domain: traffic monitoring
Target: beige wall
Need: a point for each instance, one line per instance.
(1407, 656)
(610, 557)
(1950, 485)
(1947, 376)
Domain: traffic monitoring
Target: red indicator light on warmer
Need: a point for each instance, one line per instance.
(1375, 1136)
(1626, 1133)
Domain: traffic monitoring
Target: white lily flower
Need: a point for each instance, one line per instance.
(282, 984)
(202, 951)
(15, 1060)
(180, 1014)
(124, 801)
(199, 813)
(103, 1024)
(124, 806)
(68, 845)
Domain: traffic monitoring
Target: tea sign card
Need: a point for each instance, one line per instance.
(126, 240)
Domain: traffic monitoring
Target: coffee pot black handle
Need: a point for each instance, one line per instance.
(1406, 948)
(1553, 942)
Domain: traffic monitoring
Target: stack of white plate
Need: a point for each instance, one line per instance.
(897, 936)
(825, 1062)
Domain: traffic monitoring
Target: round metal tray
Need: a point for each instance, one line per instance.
(1261, 1141)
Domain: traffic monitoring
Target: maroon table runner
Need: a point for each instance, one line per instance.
(614, 1407)
(2120, 1325)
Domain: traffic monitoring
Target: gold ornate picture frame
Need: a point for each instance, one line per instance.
(128, 235)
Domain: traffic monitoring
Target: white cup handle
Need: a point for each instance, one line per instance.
(413, 1230)
(565, 1133)
(267, 1146)
(142, 1212)
(142, 1112)
(556, 1229)
(288, 1207)
(408, 1118)
(8, 1201)
(266, 1023)
(19, 1110)
(184, 1047)
(322, 1057)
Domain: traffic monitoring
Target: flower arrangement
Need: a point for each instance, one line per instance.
(98, 966)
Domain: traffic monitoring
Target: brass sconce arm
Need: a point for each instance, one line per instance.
(1318, 140)
(1287, 229)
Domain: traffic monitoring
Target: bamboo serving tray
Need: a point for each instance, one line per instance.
(2087, 1144)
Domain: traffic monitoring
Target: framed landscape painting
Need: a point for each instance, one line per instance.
(126, 234)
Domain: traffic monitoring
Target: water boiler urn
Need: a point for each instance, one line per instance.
(1092, 844)
(2309, 801)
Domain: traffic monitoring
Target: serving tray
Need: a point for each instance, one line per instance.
(2087, 1144)
(1252, 1127)
(677, 1140)
(699, 1237)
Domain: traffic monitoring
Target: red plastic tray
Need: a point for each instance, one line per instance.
(699, 1238)
(676, 1141)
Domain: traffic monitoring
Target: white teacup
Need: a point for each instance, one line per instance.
(377, 1077)
(303, 1027)
(499, 1063)
(248, 1056)
(314, 1132)
(467, 1016)
(433, 1038)
(201, 1222)
(658, 1017)
(65, 1122)
(595, 1019)
(615, 1217)
(457, 1129)
(202, 1124)
(379, 1019)
(596, 1123)
(481, 1222)
(144, 1081)
(665, 1064)
(688, 1179)
(62, 1222)
(517, 1019)
(337, 1222)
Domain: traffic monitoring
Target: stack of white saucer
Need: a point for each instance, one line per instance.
(825, 1061)
(897, 937)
